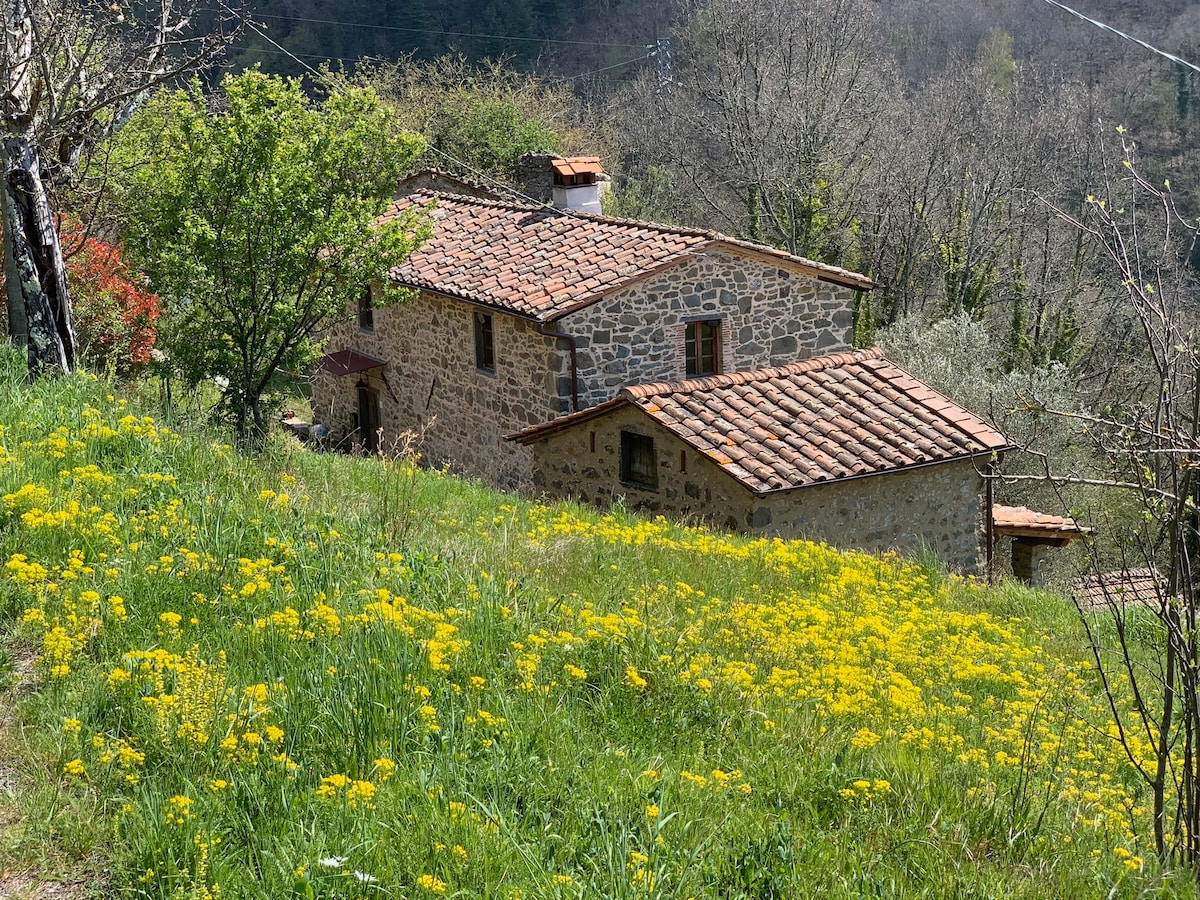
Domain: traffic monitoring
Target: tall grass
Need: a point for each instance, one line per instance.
(308, 675)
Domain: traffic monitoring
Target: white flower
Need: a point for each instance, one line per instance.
(333, 862)
(365, 878)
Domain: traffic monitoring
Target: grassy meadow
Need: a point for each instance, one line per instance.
(305, 675)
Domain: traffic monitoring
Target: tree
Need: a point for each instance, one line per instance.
(257, 223)
(1146, 428)
(765, 114)
(71, 71)
(483, 117)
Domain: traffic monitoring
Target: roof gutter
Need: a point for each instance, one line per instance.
(547, 331)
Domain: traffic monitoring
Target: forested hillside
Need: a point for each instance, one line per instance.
(921, 34)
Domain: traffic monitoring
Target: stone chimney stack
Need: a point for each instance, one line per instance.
(533, 177)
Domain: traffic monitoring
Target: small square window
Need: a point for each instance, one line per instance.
(366, 310)
(702, 348)
(485, 343)
(639, 465)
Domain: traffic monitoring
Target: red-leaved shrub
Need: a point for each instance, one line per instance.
(114, 312)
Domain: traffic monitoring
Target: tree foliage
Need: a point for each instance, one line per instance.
(480, 118)
(257, 222)
(70, 73)
(115, 313)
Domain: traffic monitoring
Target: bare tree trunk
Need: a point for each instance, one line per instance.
(39, 303)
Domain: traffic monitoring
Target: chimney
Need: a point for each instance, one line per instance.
(577, 183)
(533, 177)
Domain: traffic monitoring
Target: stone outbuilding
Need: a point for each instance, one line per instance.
(1034, 535)
(846, 448)
(521, 313)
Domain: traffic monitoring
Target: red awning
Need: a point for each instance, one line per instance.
(348, 362)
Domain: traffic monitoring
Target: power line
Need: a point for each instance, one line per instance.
(341, 59)
(654, 49)
(1171, 56)
(440, 33)
(627, 62)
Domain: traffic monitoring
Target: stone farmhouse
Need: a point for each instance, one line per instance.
(847, 448)
(573, 333)
(523, 313)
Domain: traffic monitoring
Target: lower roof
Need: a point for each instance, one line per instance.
(836, 417)
(1140, 585)
(1020, 521)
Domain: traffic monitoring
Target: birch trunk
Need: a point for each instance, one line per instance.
(38, 301)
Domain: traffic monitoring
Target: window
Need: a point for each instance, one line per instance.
(485, 343)
(366, 310)
(638, 463)
(702, 347)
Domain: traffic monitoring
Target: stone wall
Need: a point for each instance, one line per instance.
(769, 317)
(434, 389)
(939, 507)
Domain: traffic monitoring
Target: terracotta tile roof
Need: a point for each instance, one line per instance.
(1019, 521)
(432, 178)
(544, 263)
(1123, 586)
(841, 416)
(577, 165)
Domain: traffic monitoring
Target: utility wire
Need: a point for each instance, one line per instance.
(440, 33)
(652, 48)
(627, 62)
(1171, 56)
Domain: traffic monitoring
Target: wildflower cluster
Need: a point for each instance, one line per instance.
(634, 705)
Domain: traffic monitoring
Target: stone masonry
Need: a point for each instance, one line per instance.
(937, 507)
(434, 390)
(769, 316)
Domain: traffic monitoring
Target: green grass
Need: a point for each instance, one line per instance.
(318, 666)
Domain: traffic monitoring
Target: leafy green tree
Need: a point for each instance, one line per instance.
(257, 223)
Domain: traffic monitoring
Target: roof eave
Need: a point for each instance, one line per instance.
(534, 433)
(473, 301)
(811, 268)
(861, 475)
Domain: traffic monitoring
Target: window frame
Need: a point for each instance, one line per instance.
(694, 356)
(638, 448)
(366, 310)
(485, 341)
